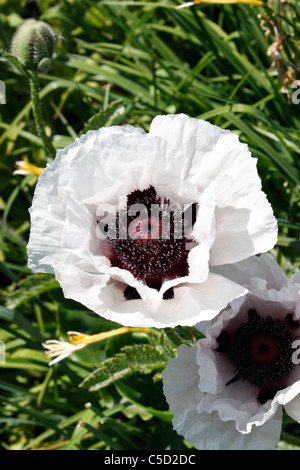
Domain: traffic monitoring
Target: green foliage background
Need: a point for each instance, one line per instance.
(117, 62)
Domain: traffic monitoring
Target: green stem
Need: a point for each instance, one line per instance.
(37, 113)
(290, 439)
(173, 337)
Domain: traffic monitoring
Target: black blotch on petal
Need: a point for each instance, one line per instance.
(265, 395)
(169, 294)
(130, 293)
(223, 341)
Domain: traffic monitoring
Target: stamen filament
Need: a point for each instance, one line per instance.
(24, 167)
(221, 2)
(62, 349)
(78, 338)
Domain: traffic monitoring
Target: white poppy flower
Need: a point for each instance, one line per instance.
(228, 392)
(132, 222)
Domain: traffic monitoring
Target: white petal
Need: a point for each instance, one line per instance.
(286, 395)
(204, 228)
(198, 261)
(180, 385)
(238, 402)
(245, 224)
(48, 205)
(205, 430)
(21, 172)
(210, 295)
(264, 267)
(84, 169)
(214, 372)
(293, 408)
(208, 432)
(195, 303)
(188, 134)
(87, 283)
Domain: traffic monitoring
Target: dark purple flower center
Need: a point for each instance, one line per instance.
(261, 351)
(150, 240)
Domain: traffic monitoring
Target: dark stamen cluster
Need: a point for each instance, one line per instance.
(152, 255)
(260, 351)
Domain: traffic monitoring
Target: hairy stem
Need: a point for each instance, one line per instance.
(37, 113)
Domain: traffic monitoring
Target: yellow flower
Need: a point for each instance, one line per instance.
(221, 2)
(24, 167)
(62, 349)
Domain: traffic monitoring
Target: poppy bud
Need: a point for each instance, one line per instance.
(33, 44)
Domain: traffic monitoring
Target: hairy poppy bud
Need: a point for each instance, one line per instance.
(33, 44)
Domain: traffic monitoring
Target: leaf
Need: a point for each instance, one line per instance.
(142, 358)
(289, 242)
(105, 117)
(29, 287)
(11, 316)
(135, 410)
(135, 394)
(14, 62)
(181, 335)
(89, 423)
